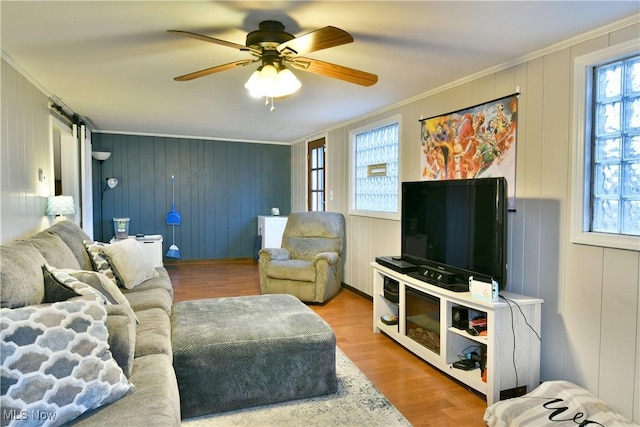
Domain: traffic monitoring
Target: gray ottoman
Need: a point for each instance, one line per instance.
(232, 353)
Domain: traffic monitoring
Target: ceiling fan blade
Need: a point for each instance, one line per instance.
(214, 40)
(316, 40)
(213, 70)
(336, 71)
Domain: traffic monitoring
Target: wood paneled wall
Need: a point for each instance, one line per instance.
(221, 188)
(591, 313)
(25, 148)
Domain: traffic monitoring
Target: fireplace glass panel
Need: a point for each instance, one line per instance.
(423, 319)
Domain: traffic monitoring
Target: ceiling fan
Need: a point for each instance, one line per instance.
(276, 49)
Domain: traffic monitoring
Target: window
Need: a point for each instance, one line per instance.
(316, 178)
(615, 182)
(375, 169)
(606, 182)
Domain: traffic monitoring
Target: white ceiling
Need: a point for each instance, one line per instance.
(113, 62)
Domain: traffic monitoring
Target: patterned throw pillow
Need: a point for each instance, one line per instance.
(57, 278)
(56, 363)
(100, 283)
(99, 259)
(62, 284)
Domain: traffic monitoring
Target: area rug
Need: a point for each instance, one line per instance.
(356, 403)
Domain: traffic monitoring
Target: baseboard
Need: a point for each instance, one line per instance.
(210, 261)
(357, 292)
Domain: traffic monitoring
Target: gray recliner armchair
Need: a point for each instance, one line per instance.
(309, 263)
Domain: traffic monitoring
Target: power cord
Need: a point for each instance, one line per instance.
(508, 301)
(513, 331)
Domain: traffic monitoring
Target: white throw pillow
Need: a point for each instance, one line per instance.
(129, 263)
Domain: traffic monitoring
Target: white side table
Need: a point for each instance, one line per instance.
(151, 245)
(271, 229)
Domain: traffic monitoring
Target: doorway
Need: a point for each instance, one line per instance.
(66, 163)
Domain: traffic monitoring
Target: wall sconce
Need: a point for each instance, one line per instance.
(60, 206)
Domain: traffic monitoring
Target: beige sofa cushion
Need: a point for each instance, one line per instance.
(54, 250)
(163, 281)
(121, 324)
(21, 275)
(155, 402)
(72, 235)
(150, 298)
(153, 333)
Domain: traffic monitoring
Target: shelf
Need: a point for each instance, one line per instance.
(463, 333)
(387, 329)
(472, 378)
(381, 294)
(510, 349)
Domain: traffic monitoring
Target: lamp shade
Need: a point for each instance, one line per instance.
(112, 182)
(101, 155)
(60, 205)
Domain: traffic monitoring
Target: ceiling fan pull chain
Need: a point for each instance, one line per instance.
(266, 103)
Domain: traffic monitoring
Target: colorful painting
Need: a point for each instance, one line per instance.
(475, 142)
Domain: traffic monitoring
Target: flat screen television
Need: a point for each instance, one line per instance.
(458, 226)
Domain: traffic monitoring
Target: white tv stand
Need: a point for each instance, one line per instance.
(509, 363)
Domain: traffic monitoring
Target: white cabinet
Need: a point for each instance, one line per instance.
(151, 245)
(271, 229)
(510, 350)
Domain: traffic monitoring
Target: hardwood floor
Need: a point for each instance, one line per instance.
(424, 395)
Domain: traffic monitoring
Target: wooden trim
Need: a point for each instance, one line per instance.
(211, 261)
(357, 292)
(313, 145)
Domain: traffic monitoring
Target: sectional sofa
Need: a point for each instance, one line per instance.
(51, 295)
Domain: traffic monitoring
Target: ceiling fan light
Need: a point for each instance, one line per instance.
(268, 82)
(252, 84)
(288, 82)
(269, 72)
(262, 80)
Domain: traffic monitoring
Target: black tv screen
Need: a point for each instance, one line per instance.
(459, 226)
